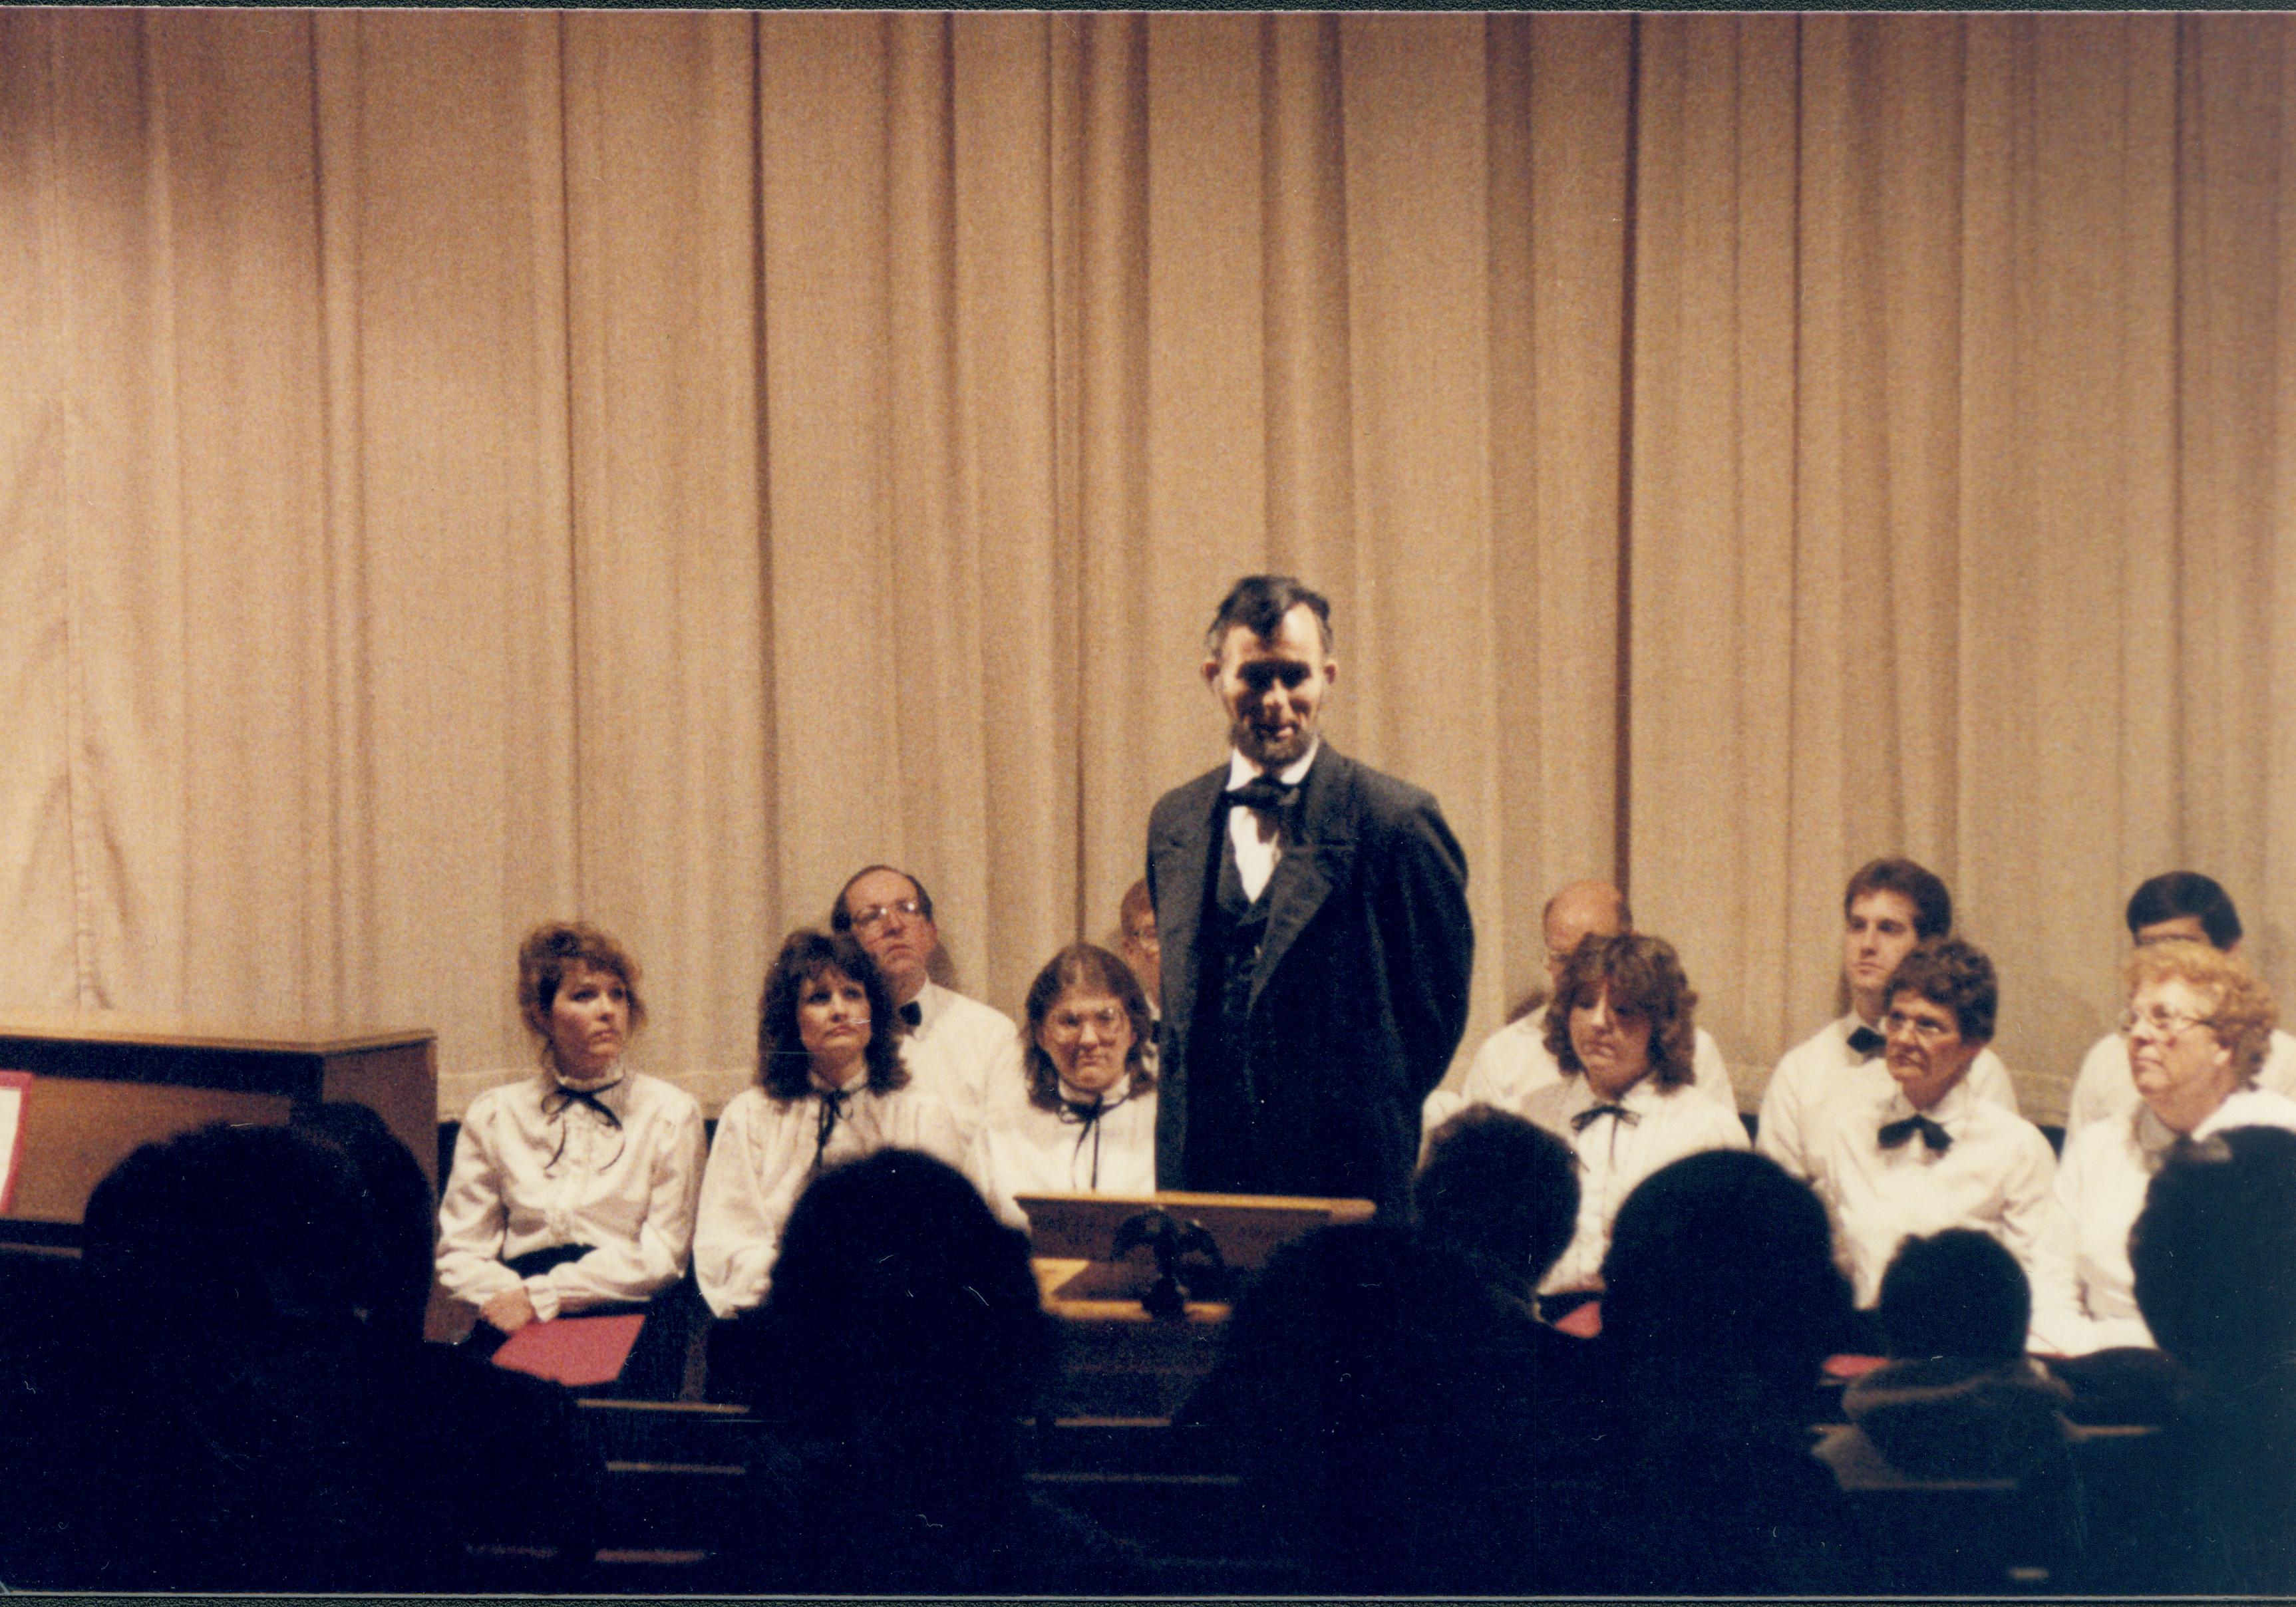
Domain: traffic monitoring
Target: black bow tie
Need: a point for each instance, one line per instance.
(833, 1106)
(1866, 1043)
(592, 1097)
(1266, 792)
(1587, 1118)
(1895, 1133)
(914, 1013)
(1086, 1114)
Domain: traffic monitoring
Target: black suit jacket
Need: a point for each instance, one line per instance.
(1360, 992)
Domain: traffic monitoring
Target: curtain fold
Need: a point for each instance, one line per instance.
(461, 469)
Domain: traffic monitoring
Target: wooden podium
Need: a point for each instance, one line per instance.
(104, 1083)
(1118, 1360)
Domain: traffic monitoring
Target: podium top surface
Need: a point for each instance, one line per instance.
(126, 1028)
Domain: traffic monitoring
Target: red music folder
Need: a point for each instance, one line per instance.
(576, 1351)
(15, 1089)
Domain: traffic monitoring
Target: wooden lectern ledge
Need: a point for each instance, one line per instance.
(105, 1082)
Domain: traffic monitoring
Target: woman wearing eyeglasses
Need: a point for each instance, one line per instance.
(2198, 1027)
(1089, 1122)
(572, 1190)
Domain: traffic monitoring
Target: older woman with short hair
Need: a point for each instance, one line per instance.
(572, 1190)
(1623, 1030)
(2199, 1025)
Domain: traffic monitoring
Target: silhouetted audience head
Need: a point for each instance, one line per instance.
(2213, 1252)
(237, 1435)
(1721, 1300)
(224, 1236)
(1721, 1270)
(1958, 1292)
(1390, 1410)
(900, 1295)
(400, 1207)
(1500, 1191)
(901, 1340)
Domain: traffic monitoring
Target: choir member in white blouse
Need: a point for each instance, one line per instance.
(1622, 1028)
(833, 1088)
(1928, 1154)
(2198, 1027)
(572, 1190)
(1089, 1122)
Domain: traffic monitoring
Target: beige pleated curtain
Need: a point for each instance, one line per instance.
(457, 469)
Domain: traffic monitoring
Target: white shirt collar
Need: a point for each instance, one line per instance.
(610, 1078)
(1241, 769)
(1114, 1095)
(1950, 1108)
(814, 1080)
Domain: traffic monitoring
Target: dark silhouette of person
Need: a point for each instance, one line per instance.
(2215, 1510)
(253, 1407)
(1720, 1293)
(899, 1345)
(1401, 1418)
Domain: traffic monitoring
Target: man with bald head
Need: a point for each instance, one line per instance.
(1514, 1062)
(964, 1052)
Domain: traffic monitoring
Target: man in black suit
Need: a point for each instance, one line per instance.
(1316, 944)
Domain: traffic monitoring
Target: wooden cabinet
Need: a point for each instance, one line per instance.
(106, 1082)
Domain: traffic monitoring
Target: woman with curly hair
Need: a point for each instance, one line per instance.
(1622, 1028)
(573, 1190)
(2199, 1026)
(1089, 1123)
(832, 1088)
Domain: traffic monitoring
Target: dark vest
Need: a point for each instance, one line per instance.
(1223, 1105)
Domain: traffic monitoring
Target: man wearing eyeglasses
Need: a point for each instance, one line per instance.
(959, 1049)
(2175, 905)
(1316, 939)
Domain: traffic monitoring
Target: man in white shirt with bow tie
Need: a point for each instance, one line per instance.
(958, 1049)
(1890, 905)
(2164, 908)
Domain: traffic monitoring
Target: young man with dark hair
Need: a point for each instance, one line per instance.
(1317, 944)
(2174, 904)
(1890, 905)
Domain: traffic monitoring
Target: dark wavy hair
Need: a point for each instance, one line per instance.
(1955, 976)
(1644, 978)
(553, 948)
(783, 1062)
(1259, 602)
(1092, 968)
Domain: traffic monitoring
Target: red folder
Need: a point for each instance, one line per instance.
(576, 1351)
(15, 1094)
